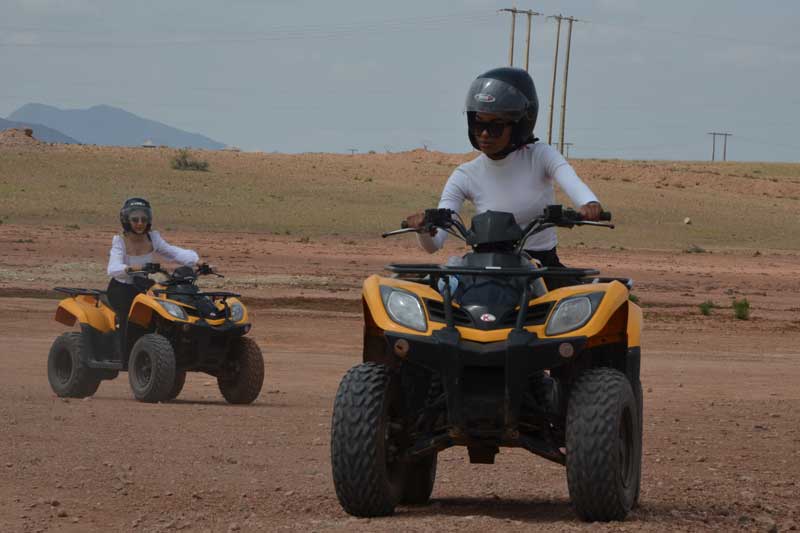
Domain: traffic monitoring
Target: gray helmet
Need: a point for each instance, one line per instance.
(510, 93)
(131, 205)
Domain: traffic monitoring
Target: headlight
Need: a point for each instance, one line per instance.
(404, 308)
(237, 312)
(173, 309)
(572, 313)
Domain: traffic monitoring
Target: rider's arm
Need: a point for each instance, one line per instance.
(563, 173)
(116, 258)
(184, 256)
(453, 197)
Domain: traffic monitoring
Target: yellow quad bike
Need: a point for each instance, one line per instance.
(481, 354)
(173, 328)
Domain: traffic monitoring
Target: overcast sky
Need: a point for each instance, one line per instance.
(648, 79)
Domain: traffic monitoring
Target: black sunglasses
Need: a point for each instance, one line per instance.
(143, 220)
(494, 129)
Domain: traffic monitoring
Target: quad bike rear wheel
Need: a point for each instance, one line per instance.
(241, 380)
(151, 368)
(367, 473)
(68, 376)
(603, 445)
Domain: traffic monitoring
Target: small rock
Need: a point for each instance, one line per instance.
(9, 465)
(702, 459)
(766, 523)
(75, 520)
(62, 513)
(233, 527)
(687, 220)
(54, 502)
(289, 493)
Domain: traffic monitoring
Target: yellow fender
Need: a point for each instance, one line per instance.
(635, 321)
(84, 309)
(142, 310)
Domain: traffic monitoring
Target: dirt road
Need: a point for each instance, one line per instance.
(722, 407)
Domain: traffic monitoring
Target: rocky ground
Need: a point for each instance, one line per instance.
(722, 444)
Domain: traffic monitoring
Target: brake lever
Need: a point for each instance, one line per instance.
(593, 223)
(399, 231)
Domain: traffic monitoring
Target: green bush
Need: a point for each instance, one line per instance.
(706, 307)
(741, 309)
(184, 161)
(633, 298)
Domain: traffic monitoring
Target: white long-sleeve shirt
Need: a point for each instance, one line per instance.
(119, 260)
(521, 183)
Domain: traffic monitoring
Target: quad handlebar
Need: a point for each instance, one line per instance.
(203, 269)
(553, 215)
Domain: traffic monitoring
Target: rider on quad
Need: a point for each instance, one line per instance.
(514, 172)
(131, 251)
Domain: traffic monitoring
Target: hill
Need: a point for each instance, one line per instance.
(41, 133)
(110, 126)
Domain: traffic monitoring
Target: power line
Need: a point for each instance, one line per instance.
(279, 34)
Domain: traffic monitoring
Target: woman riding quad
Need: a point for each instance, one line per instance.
(514, 172)
(131, 251)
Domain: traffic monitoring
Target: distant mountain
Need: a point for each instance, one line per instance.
(41, 133)
(106, 125)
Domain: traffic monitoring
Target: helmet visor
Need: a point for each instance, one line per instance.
(138, 214)
(488, 95)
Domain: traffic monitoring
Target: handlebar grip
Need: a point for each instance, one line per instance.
(404, 224)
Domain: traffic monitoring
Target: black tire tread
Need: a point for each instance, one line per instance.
(177, 386)
(246, 386)
(84, 381)
(357, 442)
(163, 367)
(596, 399)
(420, 478)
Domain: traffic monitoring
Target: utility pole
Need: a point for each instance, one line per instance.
(352, 150)
(566, 147)
(564, 88)
(553, 85)
(724, 144)
(514, 12)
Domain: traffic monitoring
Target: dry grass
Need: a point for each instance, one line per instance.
(732, 205)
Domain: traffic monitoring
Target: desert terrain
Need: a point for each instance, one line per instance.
(297, 234)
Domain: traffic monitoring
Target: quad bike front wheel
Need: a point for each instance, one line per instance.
(367, 473)
(420, 477)
(241, 379)
(603, 445)
(177, 386)
(68, 376)
(151, 368)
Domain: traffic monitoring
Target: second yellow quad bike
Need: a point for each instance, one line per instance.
(481, 354)
(173, 328)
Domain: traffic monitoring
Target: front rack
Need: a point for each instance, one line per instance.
(213, 295)
(529, 272)
(437, 272)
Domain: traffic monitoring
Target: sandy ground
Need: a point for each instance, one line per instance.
(722, 404)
